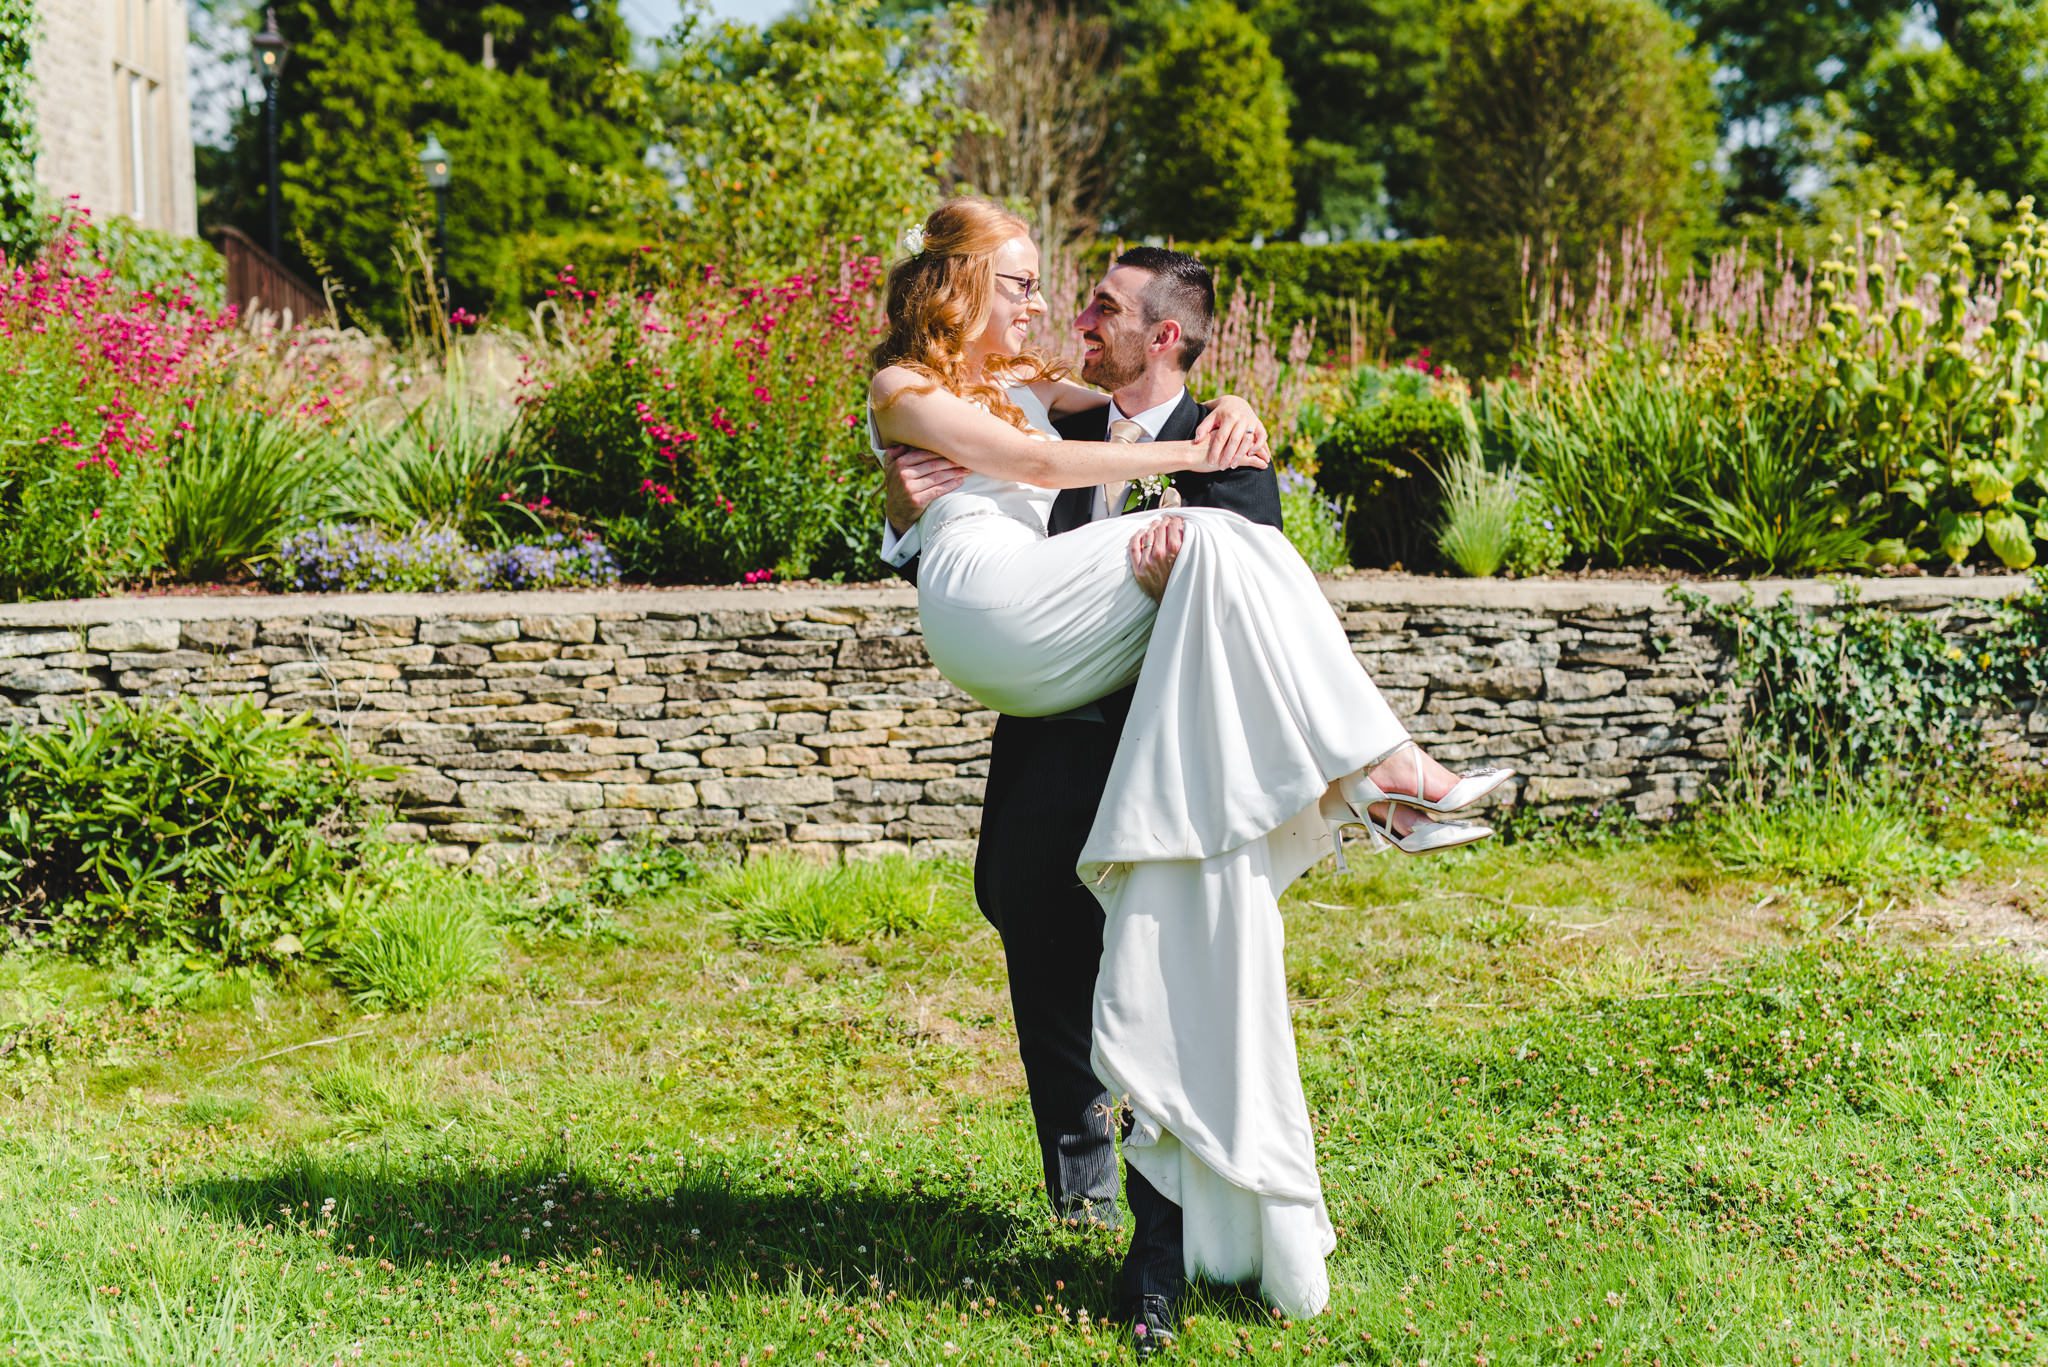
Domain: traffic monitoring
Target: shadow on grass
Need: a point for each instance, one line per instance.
(700, 1227)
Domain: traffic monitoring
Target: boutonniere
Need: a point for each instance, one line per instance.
(1153, 486)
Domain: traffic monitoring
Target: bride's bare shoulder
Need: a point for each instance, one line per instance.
(893, 381)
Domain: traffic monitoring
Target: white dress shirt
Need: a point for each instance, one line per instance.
(898, 551)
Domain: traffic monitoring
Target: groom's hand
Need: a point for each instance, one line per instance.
(911, 480)
(1153, 552)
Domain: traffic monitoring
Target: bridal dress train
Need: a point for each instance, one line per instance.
(1249, 705)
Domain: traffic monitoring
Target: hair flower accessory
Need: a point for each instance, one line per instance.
(913, 239)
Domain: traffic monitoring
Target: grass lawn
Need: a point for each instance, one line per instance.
(1646, 1101)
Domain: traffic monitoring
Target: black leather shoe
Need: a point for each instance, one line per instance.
(1152, 1327)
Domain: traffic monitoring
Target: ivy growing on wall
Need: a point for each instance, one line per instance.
(1863, 691)
(20, 207)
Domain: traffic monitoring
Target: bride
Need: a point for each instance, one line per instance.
(1254, 735)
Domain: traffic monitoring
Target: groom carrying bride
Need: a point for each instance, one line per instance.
(1143, 330)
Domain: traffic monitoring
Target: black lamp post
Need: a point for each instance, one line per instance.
(271, 50)
(434, 164)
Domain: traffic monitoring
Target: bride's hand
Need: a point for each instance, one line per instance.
(1240, 425)
(1229, 451)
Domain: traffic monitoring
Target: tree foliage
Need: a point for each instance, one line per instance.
(20, 200)
(1359, 73)
(819, 127)
(535, 138)
(1203, 150)
(1974, 108)
(1046, 92)
(1572, 120)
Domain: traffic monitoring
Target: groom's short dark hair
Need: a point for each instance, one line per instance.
(1182, 289)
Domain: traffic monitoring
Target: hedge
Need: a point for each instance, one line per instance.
(1459, 299)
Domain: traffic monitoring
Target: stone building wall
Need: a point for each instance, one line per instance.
(812, 717)
(85, 54)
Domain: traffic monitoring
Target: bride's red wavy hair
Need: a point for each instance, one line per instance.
(939, 301)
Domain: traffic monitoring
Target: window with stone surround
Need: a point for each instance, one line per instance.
(143, 137)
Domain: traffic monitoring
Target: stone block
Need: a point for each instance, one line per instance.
(1577, 685)
(460, 631)
(563, 630)
(752, 792)
(956, 790)
(1542, 788)
(46, 681)
(149, 634)
(522, 652)
(652, 797)
(532, 796)
(217, 636)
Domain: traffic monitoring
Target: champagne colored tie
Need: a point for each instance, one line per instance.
(1124, 431)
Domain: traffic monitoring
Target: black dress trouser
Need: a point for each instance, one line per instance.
(1046, 776)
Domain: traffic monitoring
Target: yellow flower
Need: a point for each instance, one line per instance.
(1955, 652)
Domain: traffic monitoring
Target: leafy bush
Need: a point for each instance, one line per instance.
(149, 259)
(344, 557)
(1931, 387)
(713, 430)
(1382, 455)
(214, 832)
(20, 198)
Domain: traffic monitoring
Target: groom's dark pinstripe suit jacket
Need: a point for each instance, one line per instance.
(1046, 775)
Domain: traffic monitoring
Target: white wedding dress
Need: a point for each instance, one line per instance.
(1249, 704)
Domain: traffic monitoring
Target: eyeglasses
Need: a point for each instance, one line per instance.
(1027, 285)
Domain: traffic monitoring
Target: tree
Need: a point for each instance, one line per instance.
(1570, 121)
(1778, 64)
(1359, 73)
(1974, 108)
(532, 135)
(1046, 92)
(20, 200)
(821, 127)
(1204, 145)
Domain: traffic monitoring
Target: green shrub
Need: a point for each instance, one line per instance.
(21, 225)
(215, 832)
(160, 262)
(1535, 545)
(1458, 300)
(1383, 455)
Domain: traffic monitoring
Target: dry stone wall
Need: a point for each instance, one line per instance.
(813, 718)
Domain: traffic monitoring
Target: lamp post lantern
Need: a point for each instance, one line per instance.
(271, 49)
(434, 164)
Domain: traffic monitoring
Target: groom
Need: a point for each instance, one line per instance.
(1142, 331)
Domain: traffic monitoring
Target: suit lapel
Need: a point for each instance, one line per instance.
(1180, 425)
(1076, 507)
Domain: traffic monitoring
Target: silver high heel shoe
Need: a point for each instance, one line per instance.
(1470, 789)
(1427, 837)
